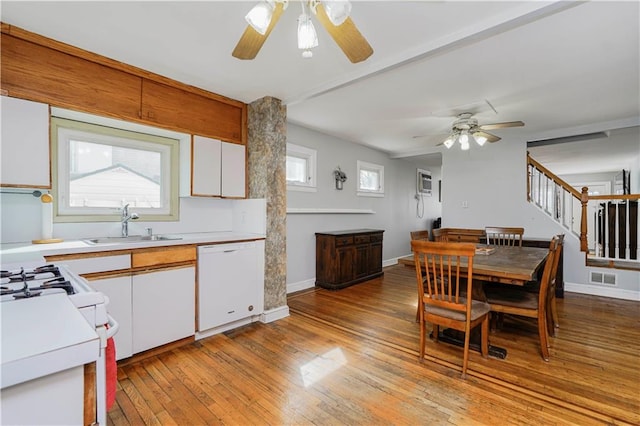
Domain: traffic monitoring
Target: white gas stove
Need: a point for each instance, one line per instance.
(24, 286)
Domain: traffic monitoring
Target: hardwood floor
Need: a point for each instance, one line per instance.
(351, 357)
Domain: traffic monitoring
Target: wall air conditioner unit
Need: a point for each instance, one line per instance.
(423, 183)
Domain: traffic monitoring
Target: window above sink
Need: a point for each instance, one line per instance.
(99, 168)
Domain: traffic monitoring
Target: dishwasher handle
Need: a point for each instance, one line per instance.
(225, 248)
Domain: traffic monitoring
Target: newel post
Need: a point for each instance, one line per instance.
(584, 200)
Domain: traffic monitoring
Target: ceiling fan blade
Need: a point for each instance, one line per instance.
(346, 36)
(501, 125)
(489, 136)
(251, 41)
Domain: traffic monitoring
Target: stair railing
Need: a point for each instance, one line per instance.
(613, 231)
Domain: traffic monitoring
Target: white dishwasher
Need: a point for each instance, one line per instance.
(230, 283)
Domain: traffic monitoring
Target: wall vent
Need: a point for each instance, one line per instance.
(603, 278)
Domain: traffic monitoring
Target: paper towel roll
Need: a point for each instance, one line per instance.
(47, 216)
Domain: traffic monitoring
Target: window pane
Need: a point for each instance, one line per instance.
(369, 180)
(103, 175)
(296, 169)
(102, 168)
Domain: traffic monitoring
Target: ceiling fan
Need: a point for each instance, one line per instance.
(467, 126)
(332, 14)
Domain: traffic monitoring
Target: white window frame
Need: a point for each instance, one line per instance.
(62, 130)
(370, 167)
(310, 156)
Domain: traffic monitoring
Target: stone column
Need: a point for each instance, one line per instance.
(267, 150)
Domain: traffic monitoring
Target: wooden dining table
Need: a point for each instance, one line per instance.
(506, 265)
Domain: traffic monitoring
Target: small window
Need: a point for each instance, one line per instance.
(101, 169)
(370, 179)
(301, 168)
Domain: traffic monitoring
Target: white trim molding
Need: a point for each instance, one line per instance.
(301, 285)
(294, 210)
(595, 290)
(275, 314)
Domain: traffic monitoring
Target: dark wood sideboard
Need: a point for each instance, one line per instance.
(344, 258)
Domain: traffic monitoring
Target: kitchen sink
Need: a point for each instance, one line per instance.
(130, 239)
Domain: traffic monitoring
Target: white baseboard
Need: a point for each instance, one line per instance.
(310, 283)
(596, 290)
(301, 285)
(392, 261)
(275, 314)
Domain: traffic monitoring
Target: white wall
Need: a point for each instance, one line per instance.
(20, 216)
(492, 182)
(395, 213)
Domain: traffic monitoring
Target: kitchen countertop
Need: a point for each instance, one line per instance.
(20, 252)
(33, 345)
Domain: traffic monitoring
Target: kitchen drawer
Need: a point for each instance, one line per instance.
(87, 265)
(344, 241)
(361, 239)
(163, 256)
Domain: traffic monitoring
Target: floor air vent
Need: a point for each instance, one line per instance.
(603, 278)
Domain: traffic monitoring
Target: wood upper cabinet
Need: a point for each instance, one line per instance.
(44, 70)
(187, 111)
(36, 72)
(25, 142)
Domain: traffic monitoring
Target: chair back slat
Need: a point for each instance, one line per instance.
(504, 236)
(440, 274)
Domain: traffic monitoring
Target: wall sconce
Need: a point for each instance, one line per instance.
(340, 177)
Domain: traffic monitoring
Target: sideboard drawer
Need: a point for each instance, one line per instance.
(362, 239)
(344, 241)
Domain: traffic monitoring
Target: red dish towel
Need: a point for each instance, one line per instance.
(112, 372)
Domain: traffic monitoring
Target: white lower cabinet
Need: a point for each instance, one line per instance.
(118, 290)
(163, 307)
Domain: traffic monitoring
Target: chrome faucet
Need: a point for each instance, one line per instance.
(126, 217)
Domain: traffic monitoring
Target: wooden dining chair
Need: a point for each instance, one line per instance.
(504, 236)
(517, 301)
(420, 235)
(440, 234)
(440, 279)
(553, 321)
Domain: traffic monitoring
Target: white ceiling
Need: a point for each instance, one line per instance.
(563, 68)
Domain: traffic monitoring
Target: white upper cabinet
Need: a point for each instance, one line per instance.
(206, 159)
(233, 170)
(217, 169)
(25, 160)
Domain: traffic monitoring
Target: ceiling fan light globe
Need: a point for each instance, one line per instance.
(337, 10)
(464, 145)
(448, 142)
(481, 140)
(464, 140)
(307, 37)
(259, 17)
